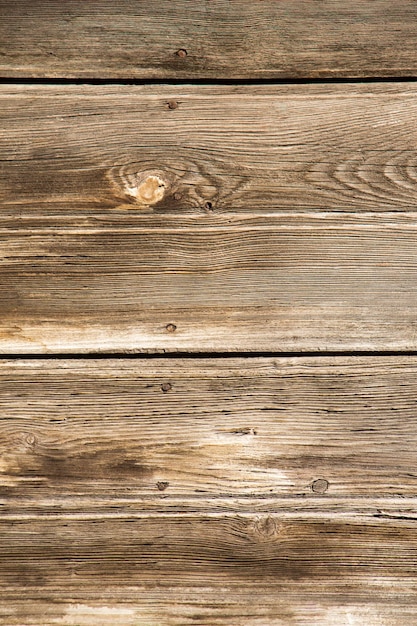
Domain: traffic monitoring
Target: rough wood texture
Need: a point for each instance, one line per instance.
(219, 218)
(218, 569)
(215, 427)
(126, 501)
(245, 219)
(278, 286)
(120, 150)
(275, 284)
(239, 39)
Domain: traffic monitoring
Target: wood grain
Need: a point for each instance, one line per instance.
(264, 219)
(207, 218)
(207, 570)
(235, 40)
(280, 284)
(78, 150)
(164, 491)
(234, 427)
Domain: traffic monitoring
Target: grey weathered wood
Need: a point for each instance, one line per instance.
(239, 40)
(247, 219)
(124, 501)
(118, 428)
(222, 491)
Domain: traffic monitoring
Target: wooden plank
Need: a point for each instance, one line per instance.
(282, 285)
(231, 427)
(208, 491)
(221, 39)
(278, 219)
(79, 150)
(207, 570)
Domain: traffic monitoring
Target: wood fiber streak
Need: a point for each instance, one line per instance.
(225, 427)
(207, 570)
(230, 40)
(81, 150)
(279, 287)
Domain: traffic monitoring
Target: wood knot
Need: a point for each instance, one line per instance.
(30, 440)
(149, 191)
(162, 485)
(266, 528)
(138, 189)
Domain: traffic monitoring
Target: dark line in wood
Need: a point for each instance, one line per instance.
(4, 80)
(206, 355)
(381, 515)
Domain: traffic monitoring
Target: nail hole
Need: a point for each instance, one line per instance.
(208, 206)
(166, 387)
(320, 485)
(171, 328)
(182, 52)
(172, 104)
(162, 485)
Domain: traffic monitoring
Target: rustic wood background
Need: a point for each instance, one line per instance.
(208, 328)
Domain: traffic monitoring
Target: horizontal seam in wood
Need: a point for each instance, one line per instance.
(4, 80)
(205, 355)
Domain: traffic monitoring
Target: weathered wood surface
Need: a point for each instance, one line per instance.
(278, 287)
(217, 569)
(236, 40)
(279, 219)
(78, 150)
(208, 491)
(276, 284)
(214, 427)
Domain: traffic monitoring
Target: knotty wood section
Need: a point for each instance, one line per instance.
(244, 219)
(79, 150)
(208, 491)
(217, 39)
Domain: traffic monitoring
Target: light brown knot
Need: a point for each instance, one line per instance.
(149, 191)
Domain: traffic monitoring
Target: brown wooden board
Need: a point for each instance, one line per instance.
(127, 570)
(163, 491)
(196, 217)
(217, 39)
(241, 427)
(246, 219)
(276, 285)
(79, 150)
